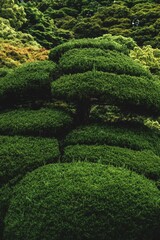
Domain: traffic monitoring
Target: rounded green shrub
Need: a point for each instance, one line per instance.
(142, 162)
(19, 155)
(42, 122)
(115, 136)
(27, 83)
(86, 59)
(83, 201)
(56, 53)
(139, 94)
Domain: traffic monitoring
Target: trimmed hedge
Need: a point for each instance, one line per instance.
(19, 155)
(115, 136)
(42, 122)
(86, 59)
(143, 162)
(27, 83)
(83, 201)
(137, 93)
(56, 53)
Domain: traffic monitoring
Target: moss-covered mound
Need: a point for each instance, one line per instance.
(42, 122)
(19, 155)
(83, 201)
(136, 139)
(27, 83)
(142, 162)
(57, 52)
(86, 59)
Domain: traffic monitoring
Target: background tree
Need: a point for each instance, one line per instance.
(13, 12)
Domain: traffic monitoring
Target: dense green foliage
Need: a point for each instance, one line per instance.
(143, 162)
(94, 95)
(41, 122)
(19, 155)
(54, 22)
(86, 73)
(136, 139)
(30, 82)
(83, 201)
(86, 59)
(123, 90)
(57, 52)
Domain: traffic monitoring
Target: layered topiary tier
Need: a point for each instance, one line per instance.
(83, 201)
(57, 52)
(42, 122)
(142, 162)
(136, 139)
(87, 59)
(27, 83)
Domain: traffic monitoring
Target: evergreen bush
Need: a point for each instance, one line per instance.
(135, 139)
(42, 122)
(83, 201)
(86, 59)
(138, 94)
(142, 162)
(19, 155)
(27, 83)
(56, 53)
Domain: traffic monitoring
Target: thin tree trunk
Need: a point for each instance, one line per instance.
(83, 112)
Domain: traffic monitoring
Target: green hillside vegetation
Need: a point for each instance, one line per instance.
(79, 120)
(54, 22)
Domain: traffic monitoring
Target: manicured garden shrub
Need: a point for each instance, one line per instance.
(42, 122)
(135, 139)
(86, 59)
(138, 94)
(30, 82)
(57, 52)
(142, 162)
(83, 201)
(19, 155)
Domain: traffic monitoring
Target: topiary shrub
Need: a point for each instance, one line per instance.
(83, 201)
(56, 53)
(86, 59)
(42, 122)
(140, 139)
(19, 155)
(142, 162)
(27, 83)
(138, 94)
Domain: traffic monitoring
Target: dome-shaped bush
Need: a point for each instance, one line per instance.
(83, 201)
(42, 122)
(58, 51)
(19, 155)
(142, 162)
(136, 139)
(86, 59)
